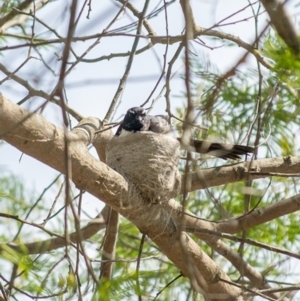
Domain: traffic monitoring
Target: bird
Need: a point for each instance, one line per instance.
(137, 120)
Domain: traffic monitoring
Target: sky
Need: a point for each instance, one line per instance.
(91, 86)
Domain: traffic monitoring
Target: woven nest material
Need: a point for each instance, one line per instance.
(149, 162)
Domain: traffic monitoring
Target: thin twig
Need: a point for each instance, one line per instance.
(137, 269)
(128, 66)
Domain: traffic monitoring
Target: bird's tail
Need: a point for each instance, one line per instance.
(220, 150)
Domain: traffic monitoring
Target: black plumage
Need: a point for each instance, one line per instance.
(136, 119)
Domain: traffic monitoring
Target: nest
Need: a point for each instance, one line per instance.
(149, 162)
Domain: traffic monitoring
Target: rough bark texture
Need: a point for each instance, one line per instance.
(33, 135)
(163, 222)
(149, 161)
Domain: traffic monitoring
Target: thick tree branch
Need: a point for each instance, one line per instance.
(42, 140)
(27, 134)
(14, 12)
(208, 232)
(256, 278)
(260, 216)
(257, 169)
(235, 225)
(282, 22)
(188, 220)
(10, 19)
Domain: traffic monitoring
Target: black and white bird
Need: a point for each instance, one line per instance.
(137, 120)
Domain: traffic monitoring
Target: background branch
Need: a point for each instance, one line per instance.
(107, 185)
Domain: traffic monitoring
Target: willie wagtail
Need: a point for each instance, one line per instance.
(136, 120)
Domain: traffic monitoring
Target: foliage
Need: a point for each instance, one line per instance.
(251, 105)
(247, 108)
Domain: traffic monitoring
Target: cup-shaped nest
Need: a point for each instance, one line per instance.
(149, 162)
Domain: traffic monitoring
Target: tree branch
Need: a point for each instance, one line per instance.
(42, 140)
(112, 222)
(256, 169)
(282, 23)
(14, 12)
(38, 247)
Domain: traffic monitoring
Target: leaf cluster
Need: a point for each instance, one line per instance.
(253, 106)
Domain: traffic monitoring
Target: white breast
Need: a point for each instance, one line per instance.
(125, 133)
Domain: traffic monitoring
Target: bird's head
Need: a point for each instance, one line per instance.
(136, 119)
(136, 113)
